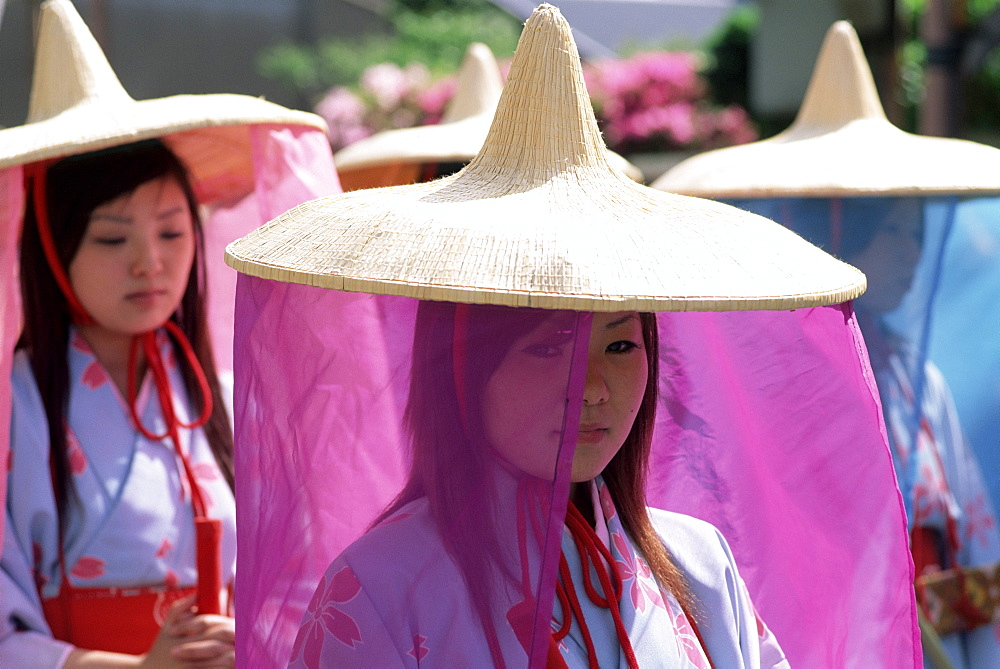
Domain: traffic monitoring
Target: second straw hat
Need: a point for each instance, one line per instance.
(841, 144)
(456, 139)
(78, 105)
(540, 219)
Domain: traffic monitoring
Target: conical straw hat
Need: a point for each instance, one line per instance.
(841, 144)
(78, 105)
(457, 138)
(540, 219)
(459, 135)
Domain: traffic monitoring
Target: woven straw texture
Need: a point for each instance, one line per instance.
(78, 105)
(841, 144)
(540, 219)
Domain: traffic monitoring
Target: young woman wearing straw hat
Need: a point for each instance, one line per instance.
(119, 542)
(473, 419)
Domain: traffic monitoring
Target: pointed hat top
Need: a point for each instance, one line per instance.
(841, 89)
(478, 85)
(78, 105)
(456, 139)
(539, 218)
(841, 144)
(70, 68)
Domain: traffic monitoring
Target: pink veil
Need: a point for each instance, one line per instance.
(768, 427)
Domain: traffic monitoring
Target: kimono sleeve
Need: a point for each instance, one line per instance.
(343, 628)
(733, 632)
(25, 639)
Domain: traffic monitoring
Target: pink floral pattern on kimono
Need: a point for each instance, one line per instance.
(132, 487)
(633, 568)
(88, 567)
(77, 458)
(687, 640)
(323, 615)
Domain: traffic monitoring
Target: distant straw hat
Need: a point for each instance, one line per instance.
(540, 219)
(456, 139)
(841, 144)
(78, 105)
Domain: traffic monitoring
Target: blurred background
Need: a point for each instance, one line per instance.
(668, 77)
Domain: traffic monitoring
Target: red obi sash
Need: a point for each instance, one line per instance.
(118, 620)
(127, 620)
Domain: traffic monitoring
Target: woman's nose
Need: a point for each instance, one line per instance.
(595, 389)
(148, 260)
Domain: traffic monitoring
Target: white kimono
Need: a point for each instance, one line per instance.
(382, 604)
(135, 527)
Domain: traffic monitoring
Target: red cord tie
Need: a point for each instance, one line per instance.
(591, 550)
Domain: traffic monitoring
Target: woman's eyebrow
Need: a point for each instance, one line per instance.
(621, 321)
(110, 217)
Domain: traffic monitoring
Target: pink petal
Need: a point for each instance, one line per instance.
(419, 651)
(164, 548)
(312, 644)
(94, 376)
(623, 548)
(342, 626)
(171, 579)
(77, 460)
(80, 344)
(88, 567)
(344, 586)
(625, 570)
(638, 600)
(653, 593)
(204, 471)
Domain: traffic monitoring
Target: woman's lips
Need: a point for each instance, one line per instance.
(145, 297)
(591, 434)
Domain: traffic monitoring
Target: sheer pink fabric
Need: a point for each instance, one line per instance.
(324, 445)
(291, 165)
(11, 205)
(768, 426)
(770, 429)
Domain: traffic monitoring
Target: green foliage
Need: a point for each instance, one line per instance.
(435, 33)
(728, 67)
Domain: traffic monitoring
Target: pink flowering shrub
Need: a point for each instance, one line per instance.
(658, 101)
(654, 101)
(387, 97)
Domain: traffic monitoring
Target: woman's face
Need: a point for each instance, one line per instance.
(890, 259)
(524, 399)
(135, 257)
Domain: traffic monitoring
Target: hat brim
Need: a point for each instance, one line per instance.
(549, 247)
(208, 132)
(866, 157)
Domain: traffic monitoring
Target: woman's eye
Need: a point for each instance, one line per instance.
(171, 235)
(110, 241)
(622, 346)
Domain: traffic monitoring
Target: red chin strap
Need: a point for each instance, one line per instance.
(37, 173)
(208, 530)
